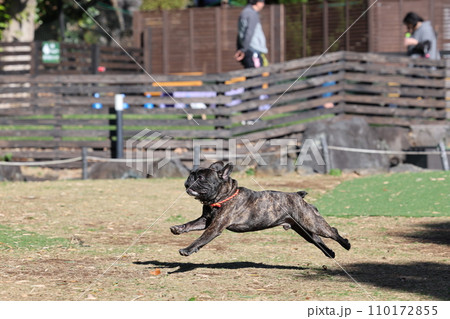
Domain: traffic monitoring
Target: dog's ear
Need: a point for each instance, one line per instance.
(217, 166)
(226, 171)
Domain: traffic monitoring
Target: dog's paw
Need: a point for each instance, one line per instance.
(187, 252)
(176, 230)
(347, 244)
(184, 252)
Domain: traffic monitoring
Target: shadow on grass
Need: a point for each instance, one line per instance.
(434, 233)
(185, 267)
(425, 278)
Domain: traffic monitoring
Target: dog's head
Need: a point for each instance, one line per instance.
(208, 184)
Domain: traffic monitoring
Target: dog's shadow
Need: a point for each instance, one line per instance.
(185, 266)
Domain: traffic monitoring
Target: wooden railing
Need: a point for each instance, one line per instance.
(52, 116)
(26, 58)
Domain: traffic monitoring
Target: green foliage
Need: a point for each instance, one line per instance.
(5, 17)
(6, 158)
(148, 5)
(238, 3)
(250, 171)
(405, 194)
(79, 23)
(335, 172)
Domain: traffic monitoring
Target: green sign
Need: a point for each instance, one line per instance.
(50, 52)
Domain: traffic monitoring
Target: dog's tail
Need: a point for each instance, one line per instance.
(302, 193)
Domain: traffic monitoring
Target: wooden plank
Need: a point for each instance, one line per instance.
(186, 134)
(106, 122)
(288, 97)
(359, 77)
(131, 67)
(74, 110)
(16, 53)
(401, 90)
(391, 111)
(389, 69)
(268, 124)
(4, 64)
(15, 44)
(311, 84)
(275, 132)
(288, 65)
(383, 100)
(294, 107)
(396, 121)
(289, 77)
(109, 101)
(387, 58)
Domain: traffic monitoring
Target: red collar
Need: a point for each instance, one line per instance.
(219, 204)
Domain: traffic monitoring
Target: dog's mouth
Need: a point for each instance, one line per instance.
(192, 192)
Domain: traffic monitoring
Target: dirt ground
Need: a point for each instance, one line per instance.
(120, 248)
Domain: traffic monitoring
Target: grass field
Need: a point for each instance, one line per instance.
(409, 195)
(110, 240)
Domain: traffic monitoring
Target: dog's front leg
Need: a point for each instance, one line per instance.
(198, 224)
(213, 230)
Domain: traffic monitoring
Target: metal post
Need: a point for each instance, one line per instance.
(118, 105)
(84, 162)
(443, 155)
(326, 153)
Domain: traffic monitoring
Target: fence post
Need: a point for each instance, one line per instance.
(165, 42)
(196, 163)
(35, 50)
(84, 162)
(218, 26)
(325, 24)
(347, 24)
(148, 49)
(447, 87)
(95, 58)
(118, 106)
(443, 155)
(304, 34)
(326, 153)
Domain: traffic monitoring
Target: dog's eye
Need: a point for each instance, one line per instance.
(201, 177)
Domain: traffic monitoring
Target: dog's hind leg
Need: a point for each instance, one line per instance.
(331, 232)
(313, 239)
(316, 224)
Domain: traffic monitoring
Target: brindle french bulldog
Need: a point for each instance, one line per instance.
(239, 209)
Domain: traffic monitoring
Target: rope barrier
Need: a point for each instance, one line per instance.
(361, 150)
(42, 163)
(125, 160)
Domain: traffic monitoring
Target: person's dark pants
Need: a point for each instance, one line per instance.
(247, 61)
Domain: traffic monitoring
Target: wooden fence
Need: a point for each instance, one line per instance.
(26, 58)
(387, 30)
(52, 116)
(204, 39)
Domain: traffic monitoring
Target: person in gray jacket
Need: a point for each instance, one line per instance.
(251, 41)
(420, 40)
